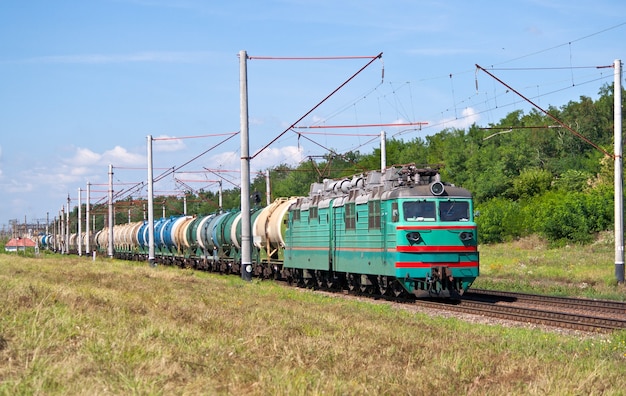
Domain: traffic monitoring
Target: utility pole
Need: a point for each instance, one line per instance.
(87, 231)
(246, 230)
(67, 226)
(79, 237)
(111, 219)
(383, 151)
(618, 162)
(268, 192)
(151, 261)
(219, 197)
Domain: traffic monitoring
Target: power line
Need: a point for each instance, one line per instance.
(318, 105)
(546, 113)
(195, 137)
(312, 57)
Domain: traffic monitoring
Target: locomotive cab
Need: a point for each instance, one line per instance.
(436, 241)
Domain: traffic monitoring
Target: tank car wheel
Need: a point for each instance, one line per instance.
(235, 268)
(267, 272)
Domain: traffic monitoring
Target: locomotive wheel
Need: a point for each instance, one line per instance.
(367, 289)
(288, 276)
(351, 279)
(334, 282)
(383, 285)
(321, 279)
(396, 289)
(296, 277)
(301, 281)
(365, 285)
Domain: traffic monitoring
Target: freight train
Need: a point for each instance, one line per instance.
(398, 232)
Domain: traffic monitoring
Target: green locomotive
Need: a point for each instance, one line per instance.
(393, 232)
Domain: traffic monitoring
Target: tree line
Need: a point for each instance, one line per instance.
(527, 174)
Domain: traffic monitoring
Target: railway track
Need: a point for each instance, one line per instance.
(564, 312)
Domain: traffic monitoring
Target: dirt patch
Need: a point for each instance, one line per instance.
(532, 242)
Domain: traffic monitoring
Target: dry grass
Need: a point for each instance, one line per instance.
(73, 326)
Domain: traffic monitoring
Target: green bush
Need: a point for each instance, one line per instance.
(571, 217)
(565, 220)
(559, 216)
(531, 182)
(499, 220)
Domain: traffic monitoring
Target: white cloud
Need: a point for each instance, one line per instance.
(14, 186)
(80, 171)
(256, 121)
(317, 119)
(166, 143)
(117, 156)
(467, 118)
(291, 155)
(268, 158)
(85, 156)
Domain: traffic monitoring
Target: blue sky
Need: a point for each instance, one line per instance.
(84, 82)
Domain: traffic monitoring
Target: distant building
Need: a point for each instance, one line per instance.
(19, 244)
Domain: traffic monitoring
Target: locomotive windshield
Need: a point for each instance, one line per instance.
(427, 210)
(419, 210)
(454, 211)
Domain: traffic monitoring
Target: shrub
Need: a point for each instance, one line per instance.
(499, 220)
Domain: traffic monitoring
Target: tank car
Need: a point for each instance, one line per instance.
(393, 232)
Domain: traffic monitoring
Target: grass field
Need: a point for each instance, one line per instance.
(530, 266)
(72, 326)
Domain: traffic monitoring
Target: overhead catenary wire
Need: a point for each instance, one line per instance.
(140, 185)
(360, 125)
(193, 137)
(547, 113)
(317, 105)
(312, 57)
(564, 44)
(175, 168)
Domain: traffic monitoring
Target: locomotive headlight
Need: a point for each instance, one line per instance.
(413, 237)
(466, 236)
(437, 188)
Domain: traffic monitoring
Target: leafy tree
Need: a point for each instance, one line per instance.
(297, 181)
(499, 219)
(573, 180)
(531, 182)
